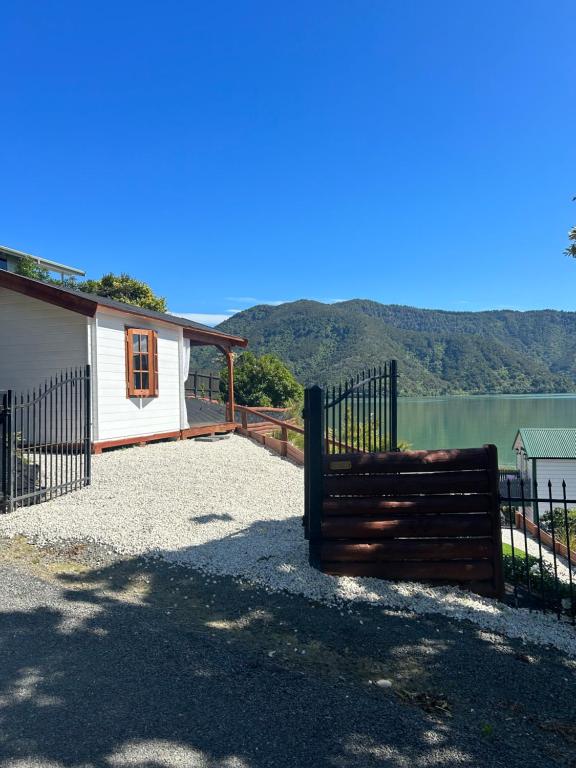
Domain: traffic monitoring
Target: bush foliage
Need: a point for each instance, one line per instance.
(126, 289)
(118, 287)
(261, 381)
(561, 523)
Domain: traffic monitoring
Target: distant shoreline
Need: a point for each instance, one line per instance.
(500, 396)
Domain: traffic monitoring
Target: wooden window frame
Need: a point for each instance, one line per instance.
(152, 389)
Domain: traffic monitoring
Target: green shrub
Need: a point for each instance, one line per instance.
(562, 523)
(262, 381)
(525, 570)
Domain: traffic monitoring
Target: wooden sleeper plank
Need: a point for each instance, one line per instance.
(407, 461)
(399, 550)
(407, 485)
(413, 527)
(416, 505)
(405, 571)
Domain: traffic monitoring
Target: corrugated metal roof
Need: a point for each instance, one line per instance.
(548, 442)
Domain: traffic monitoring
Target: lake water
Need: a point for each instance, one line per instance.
(467, 422)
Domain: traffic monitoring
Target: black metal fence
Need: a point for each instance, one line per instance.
(539, 547)
(204, 385)
(45, 441)
(358, 415)
(509, 478)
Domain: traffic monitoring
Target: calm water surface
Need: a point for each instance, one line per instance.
(467, 422)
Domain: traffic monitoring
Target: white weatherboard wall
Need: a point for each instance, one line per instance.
(556, 470)
(37, 340)
(121, 417)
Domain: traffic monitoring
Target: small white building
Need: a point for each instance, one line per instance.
(547, 454)
(139, 359)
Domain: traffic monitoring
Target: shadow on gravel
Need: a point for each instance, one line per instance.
(149, 665)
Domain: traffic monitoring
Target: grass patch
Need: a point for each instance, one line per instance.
(507, 551)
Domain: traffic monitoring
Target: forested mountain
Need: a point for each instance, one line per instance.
(438, 352)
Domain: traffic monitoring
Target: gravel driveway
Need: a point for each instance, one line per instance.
(232, 508)
(111, 661)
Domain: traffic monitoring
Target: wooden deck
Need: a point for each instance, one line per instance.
(203, 412)
(205, 417)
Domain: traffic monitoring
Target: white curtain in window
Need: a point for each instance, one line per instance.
(185, 362)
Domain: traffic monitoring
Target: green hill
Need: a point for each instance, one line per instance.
(438, 352)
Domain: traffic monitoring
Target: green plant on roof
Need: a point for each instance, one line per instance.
(125, 289)
(118, 287)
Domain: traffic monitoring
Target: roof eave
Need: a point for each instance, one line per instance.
(82, 305)
(213, 337)
(88, 305)
(518, 435)
(552, 458)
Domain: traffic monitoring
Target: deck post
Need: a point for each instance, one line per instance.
(230, 364)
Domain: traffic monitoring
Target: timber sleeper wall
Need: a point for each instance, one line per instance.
(418, 515)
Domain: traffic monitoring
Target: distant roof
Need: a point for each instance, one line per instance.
(88, 304)
(52, 266)
(548, 442)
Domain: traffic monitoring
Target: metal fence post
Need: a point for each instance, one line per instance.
(315, 427)
(393, 405)
(3, 473)
(6, 473)
(87, 427)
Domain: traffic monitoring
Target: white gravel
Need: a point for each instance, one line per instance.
(232, 508)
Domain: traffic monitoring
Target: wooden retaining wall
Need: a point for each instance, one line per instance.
(523, 522)
(259, 425)
(418, 515)
(262, 433)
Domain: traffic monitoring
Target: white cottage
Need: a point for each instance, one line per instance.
(546, 454)
(139, 359)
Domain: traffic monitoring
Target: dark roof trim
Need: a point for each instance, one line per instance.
(88, 304)
(75, 301)
(550, 458)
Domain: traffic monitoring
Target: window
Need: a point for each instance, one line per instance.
(3, 263)
(141, 363)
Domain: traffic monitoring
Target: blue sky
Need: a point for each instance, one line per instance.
(233, 153)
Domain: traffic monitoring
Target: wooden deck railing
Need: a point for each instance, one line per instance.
(264, 428)
(202, 385)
